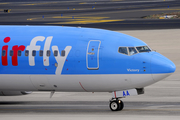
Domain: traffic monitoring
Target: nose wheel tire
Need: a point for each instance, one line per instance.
(121, 105)
(116, 105)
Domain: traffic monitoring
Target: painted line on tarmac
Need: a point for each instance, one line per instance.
(68, 17)
(160, 9)
(77, 20)
(142, 109)
(145, 23)
(95, 13)
(83, 3)
(101, 13)
(55, 105)
(4, 3)
(86, 21)
(50, 109)
(45, 3)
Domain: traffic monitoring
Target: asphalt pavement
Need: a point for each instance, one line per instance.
(105, 14)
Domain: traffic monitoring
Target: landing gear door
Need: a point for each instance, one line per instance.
(92, 55)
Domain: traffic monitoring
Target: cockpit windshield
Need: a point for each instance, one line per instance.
(143, 49)
(132, 50)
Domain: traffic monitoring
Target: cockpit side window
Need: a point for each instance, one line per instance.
(123, 50)
(143, 49)
(132, 51)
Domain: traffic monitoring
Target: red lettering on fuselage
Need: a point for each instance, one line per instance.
(15, 51)
(14, 57)
(4, 58)
(7, 39)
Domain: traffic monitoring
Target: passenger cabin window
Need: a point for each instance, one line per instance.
(26, 52)
(3, 53)
(48, 53)
(132, 51)
(11, 52)
(19, 53)
(63, 53)
(123, 50)
(41, 53)
(33, 53)
(143, 49)
(55, 53)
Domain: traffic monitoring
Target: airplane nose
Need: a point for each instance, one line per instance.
(161, 67)
(161, 64)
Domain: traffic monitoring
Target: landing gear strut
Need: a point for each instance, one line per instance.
(116, 105)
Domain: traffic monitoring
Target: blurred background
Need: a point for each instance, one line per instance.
(106, 14)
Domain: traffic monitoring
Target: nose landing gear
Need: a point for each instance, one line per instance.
(116, 105)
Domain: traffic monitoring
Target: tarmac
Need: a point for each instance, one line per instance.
(105, 14)
(160, 101)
